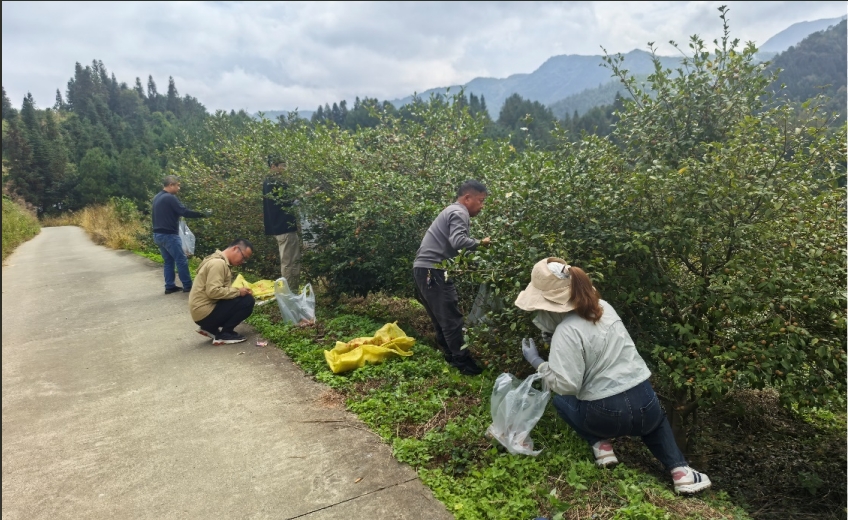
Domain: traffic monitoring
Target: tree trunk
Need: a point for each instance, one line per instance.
(679, 415)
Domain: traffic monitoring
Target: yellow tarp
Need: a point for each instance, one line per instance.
(262, 290)
(387, 342)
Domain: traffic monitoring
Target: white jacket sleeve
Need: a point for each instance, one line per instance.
(566, 365)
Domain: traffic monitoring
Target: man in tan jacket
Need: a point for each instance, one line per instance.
(215, 304)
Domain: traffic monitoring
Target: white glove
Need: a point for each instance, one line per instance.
(531, 353)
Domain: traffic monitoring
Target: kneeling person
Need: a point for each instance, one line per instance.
(215, 304)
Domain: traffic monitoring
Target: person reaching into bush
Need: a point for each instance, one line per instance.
(281, 221)
(215, 305)
(446, 236)
(166, 212)
(599, 380)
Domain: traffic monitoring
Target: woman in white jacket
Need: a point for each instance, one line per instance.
(599, 380)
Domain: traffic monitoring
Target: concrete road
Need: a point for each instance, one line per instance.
(115, 408)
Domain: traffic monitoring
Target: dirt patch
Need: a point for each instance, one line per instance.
(453, 407)
(331, 399)
(365, 387)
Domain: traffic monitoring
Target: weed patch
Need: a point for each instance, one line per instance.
(435, 420)
(19, 225)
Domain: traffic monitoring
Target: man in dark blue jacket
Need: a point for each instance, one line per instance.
(281, 221)
(167, 210)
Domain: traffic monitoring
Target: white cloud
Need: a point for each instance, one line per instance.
(270, 55)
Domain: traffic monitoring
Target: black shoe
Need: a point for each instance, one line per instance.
(226, 338)
(172, 290)
(466, 366)
(187, 289)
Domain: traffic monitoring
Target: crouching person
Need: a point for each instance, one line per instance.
(216, 306)
(599, 379)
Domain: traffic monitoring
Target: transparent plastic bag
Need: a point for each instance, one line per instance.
(297, 309)
(486, 301)
(187, 238)
(516, 408)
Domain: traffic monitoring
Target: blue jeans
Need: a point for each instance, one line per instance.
(171, 248)
(635, 412)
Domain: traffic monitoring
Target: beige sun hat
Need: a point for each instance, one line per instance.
(548, 290)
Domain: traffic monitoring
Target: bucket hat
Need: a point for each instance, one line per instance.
(549, 288)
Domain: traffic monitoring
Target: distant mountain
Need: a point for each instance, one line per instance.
(557, 78)
(587, 99)
(817, 65)
(795, 33)
(573, 82)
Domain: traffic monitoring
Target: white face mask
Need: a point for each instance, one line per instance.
(547, 321)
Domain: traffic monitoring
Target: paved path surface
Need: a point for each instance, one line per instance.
(113, 407)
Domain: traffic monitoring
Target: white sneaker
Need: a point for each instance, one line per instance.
(604, 456)
(688, 481)
(204, 332)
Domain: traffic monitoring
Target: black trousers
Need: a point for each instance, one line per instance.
(441, 301)
(227, 314)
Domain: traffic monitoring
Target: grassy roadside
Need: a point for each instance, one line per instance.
(116, 224)
(19, 225)
(435, 420)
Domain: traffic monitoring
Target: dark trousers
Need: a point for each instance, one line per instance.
(635, 412)
(227, 314)
(440, 300)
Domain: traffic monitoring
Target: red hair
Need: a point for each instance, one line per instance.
(584, 297)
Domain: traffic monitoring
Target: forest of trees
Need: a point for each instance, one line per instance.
(102, 138)
(816, 66)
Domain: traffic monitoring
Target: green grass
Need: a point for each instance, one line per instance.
(193, 262)
(435, 420)
(18, 226)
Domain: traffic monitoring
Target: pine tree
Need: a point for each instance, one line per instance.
(60, 103)
(336, 114)
(95, 169)
(32, 184)
(173, 102)
(342, 112)
(152, 95)
(8, 111)
(139, 89)
(318, 115)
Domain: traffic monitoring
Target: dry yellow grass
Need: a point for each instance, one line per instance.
(65, 219)
(102, 224)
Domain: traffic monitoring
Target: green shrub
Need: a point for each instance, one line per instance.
(19, 225)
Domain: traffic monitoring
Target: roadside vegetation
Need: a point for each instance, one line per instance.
(19, 225)
(712, 216)
(118, 224)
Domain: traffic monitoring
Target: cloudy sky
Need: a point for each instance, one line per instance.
(282, 56)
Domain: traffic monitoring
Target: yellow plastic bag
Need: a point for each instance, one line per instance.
(387, 342)
(262, 290)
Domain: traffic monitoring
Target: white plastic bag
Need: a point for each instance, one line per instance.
(187, 238)
(516, 408)
(297, 309)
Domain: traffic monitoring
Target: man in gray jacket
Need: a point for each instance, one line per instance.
(446, 236)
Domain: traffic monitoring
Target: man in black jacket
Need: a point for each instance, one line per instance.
(281, 221)
(167, 210)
